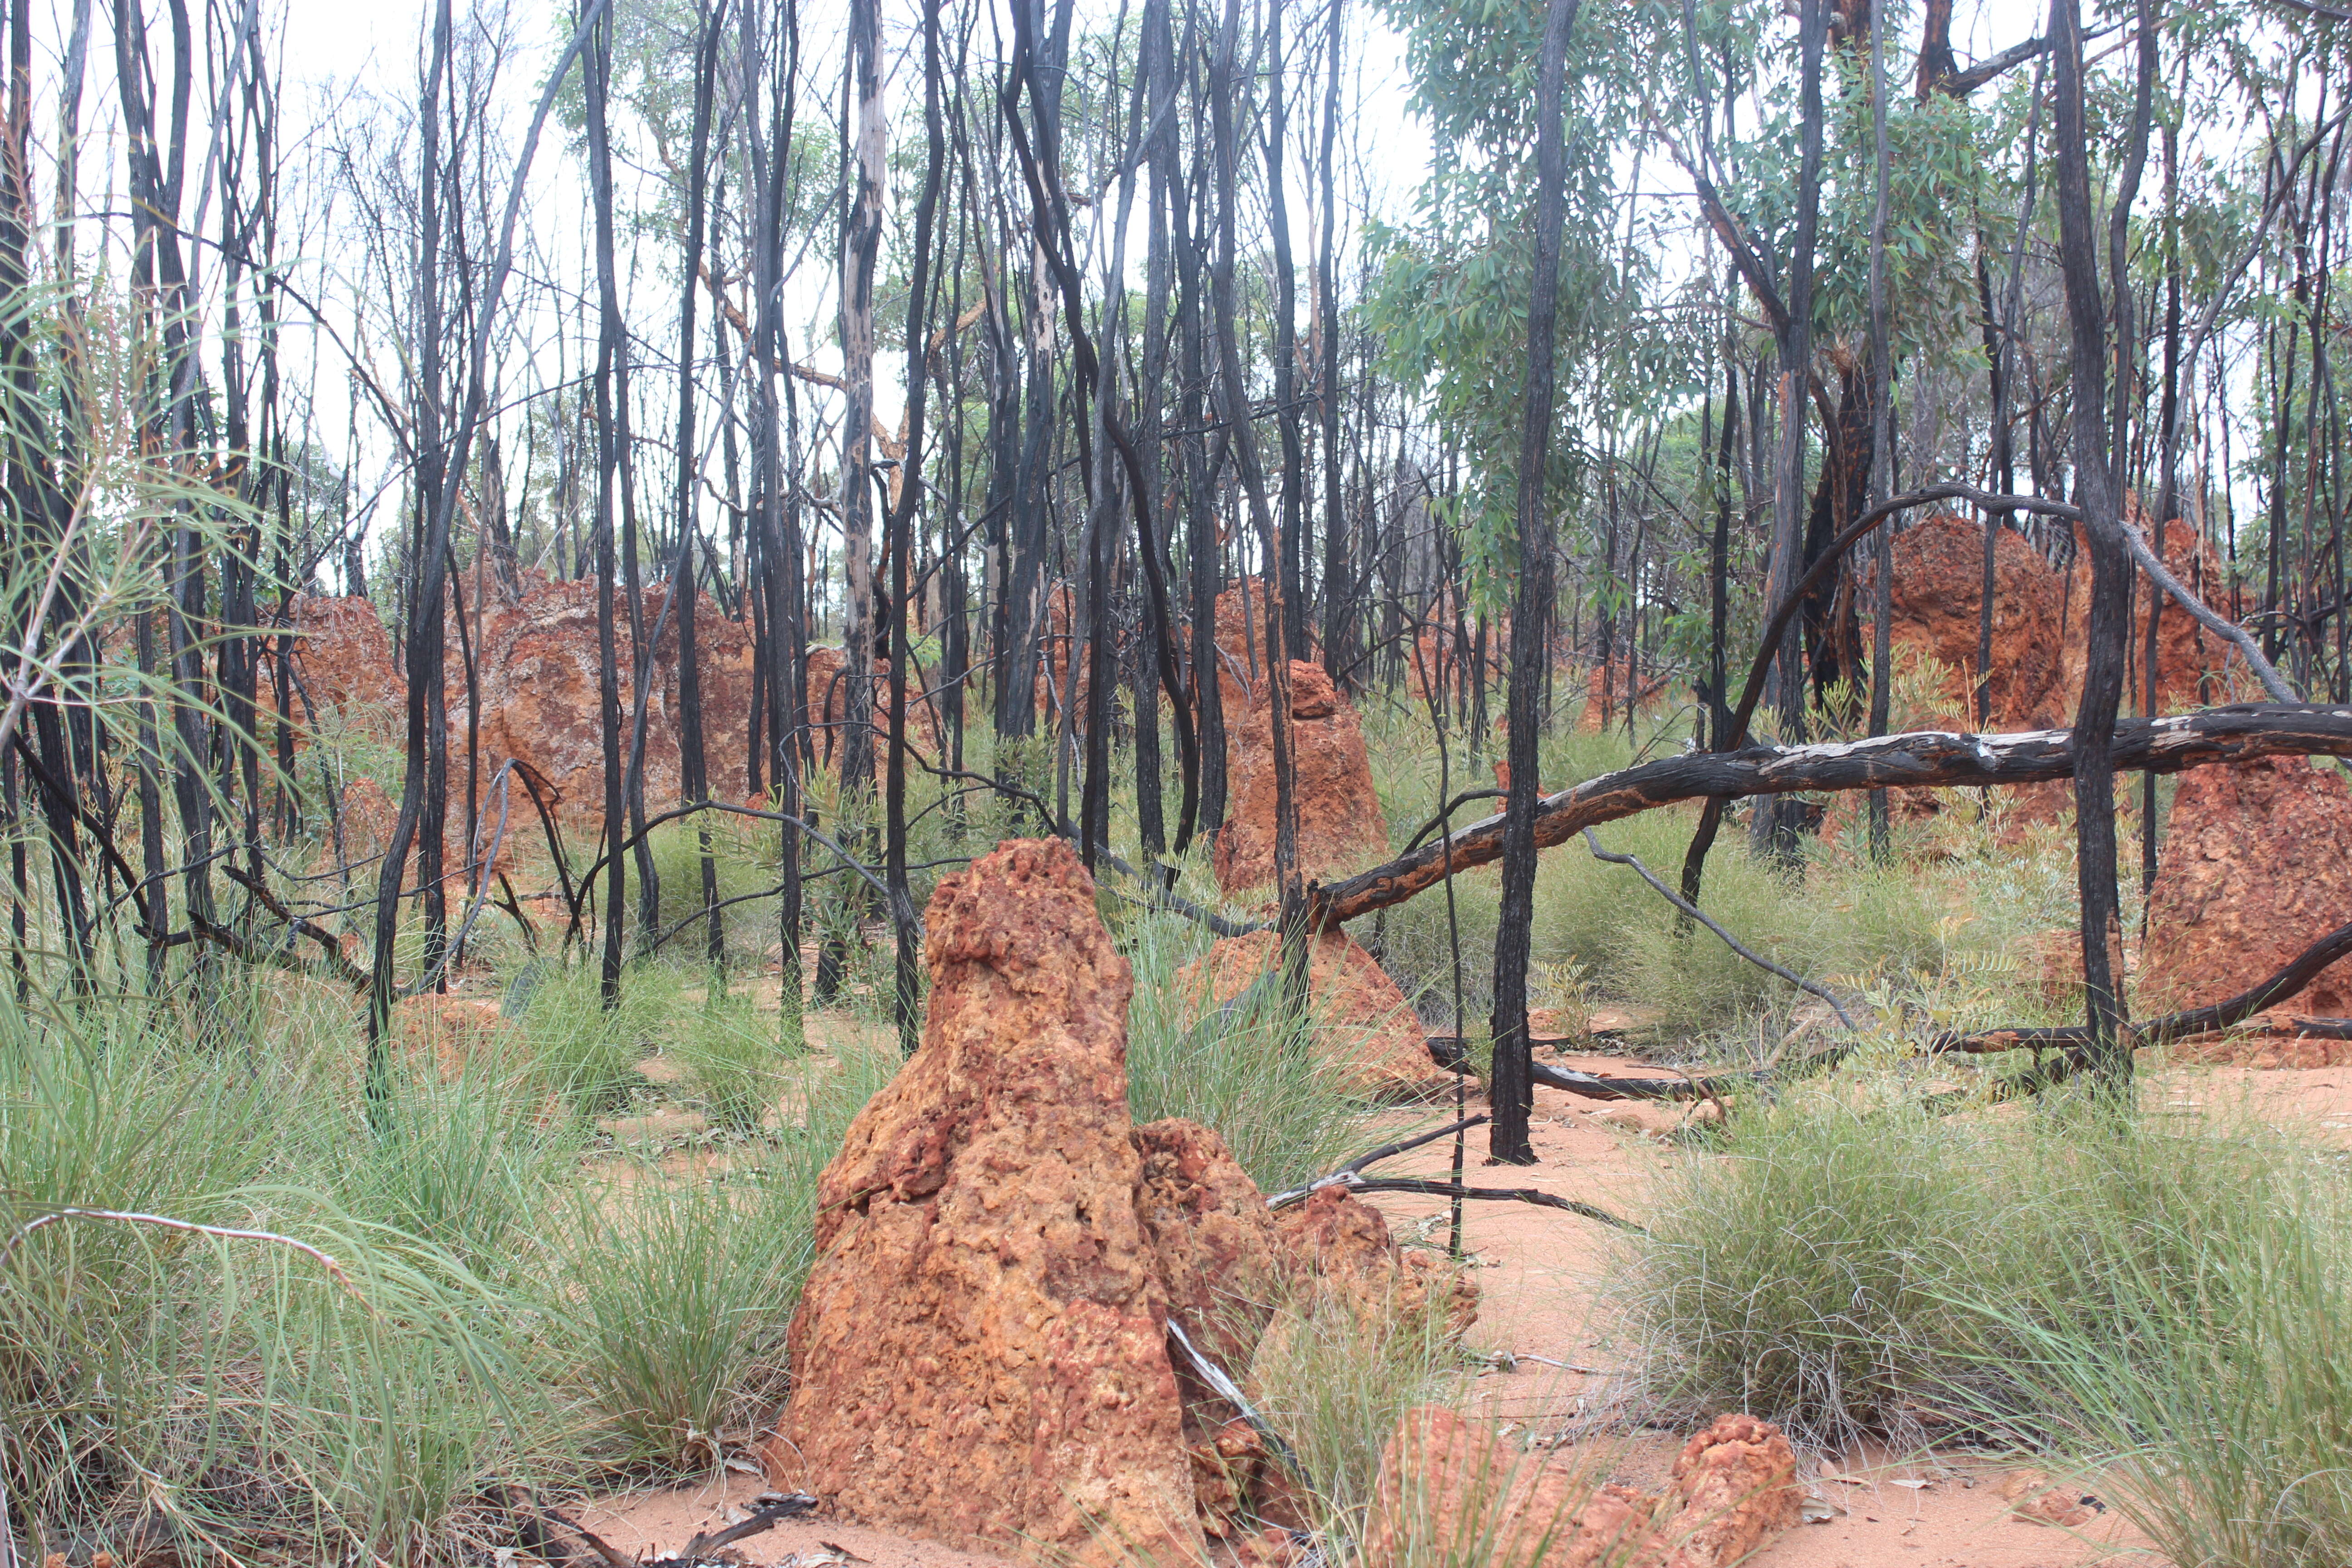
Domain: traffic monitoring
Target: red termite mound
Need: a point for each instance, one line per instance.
(2256, 865)
(1339, 823)
(535, 662)
(981, 1353)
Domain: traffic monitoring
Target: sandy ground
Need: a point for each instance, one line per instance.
(647, 1525)
(1562, 1363)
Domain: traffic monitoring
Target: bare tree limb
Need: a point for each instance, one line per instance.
(1922, 757)
(2210, 618)
(1733, 942)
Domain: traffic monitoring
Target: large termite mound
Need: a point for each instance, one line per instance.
(2256, 865)
(980, 1353)
(342, 666)
(1361, 1025)
(1450, 1491)
(535, 663)
(1339, 822)
(2041, 618)
(1938, 600)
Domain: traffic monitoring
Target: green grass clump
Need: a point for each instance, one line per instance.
(1855, 1266)
(734, 1057)
(575, 1046)
(2206, 1385)
(676, 1294)
(1242, 1070)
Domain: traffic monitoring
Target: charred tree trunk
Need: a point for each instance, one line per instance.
(1513, 1091)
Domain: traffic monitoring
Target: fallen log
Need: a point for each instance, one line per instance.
(1923, 757)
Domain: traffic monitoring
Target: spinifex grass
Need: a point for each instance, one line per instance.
(1852, 1266)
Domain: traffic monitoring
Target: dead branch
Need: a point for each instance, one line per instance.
(1226, 1389)
(2300, 972)
(1927, 757)
(1535, 1195)
(796, 1506)
(2210, 618)
(1733, 942)
(342, 968)
(1355, 1167)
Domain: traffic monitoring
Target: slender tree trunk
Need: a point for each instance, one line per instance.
(904, 927)
(1775, 831)
(611, 329)
(694, 777)
(1512, 1093)
(2095, 491)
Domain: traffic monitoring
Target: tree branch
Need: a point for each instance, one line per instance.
(1927, 757)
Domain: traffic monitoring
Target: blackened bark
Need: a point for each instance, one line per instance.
(1512, 1089)
(2096, 488)
(694, 775)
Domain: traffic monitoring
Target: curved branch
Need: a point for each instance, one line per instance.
(1925, 757)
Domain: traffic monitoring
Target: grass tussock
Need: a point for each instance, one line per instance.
(2156, 1299)
(1245, 1069)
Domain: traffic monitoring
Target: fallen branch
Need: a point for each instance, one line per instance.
(577, 1546)
(1733, 942)
(1447, 1052)
(1929, 757)
(796, 1506)
(2212, 620)
(1355, 1167)
(2300, 972)
(1535, 1195)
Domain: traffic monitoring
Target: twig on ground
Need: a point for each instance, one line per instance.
(1535, 1195)
(793, 1507)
